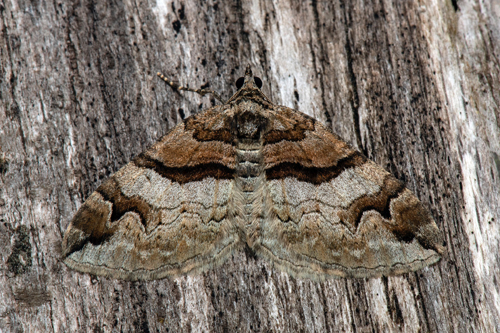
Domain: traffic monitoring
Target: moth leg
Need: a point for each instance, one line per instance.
(200, 91)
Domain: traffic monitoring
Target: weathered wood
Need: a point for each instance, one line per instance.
(413, 84)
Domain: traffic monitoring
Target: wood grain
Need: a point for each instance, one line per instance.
(414, 85)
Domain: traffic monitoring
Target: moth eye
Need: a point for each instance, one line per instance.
(258, 82)
(239, 82)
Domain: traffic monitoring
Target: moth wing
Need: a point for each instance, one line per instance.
(165, 213)
(332, 212)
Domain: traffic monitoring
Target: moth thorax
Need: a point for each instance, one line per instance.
(249, 121)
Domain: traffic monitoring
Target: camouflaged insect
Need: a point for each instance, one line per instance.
(251, 173)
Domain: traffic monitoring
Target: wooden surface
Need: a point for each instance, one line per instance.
(414, 85)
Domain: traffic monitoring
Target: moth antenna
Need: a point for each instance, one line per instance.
(199, 91)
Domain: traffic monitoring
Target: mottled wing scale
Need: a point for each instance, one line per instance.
(334, 212)
(168, 212)
(251, 173)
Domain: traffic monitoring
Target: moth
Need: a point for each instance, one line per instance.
(249, 173)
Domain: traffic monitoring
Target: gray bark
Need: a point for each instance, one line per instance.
(413, 84)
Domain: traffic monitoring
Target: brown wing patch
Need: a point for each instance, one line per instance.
(287, 125)
(185, 174)
(211, 126)
(180, 149)
(121, 204)
(94, 220)
(318, 149)
(412, 219)
(313, 174)
(88, 225)
(379, 202)
(201, 139)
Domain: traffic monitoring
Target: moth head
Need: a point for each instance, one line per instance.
(249, 88)
(248, 79)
